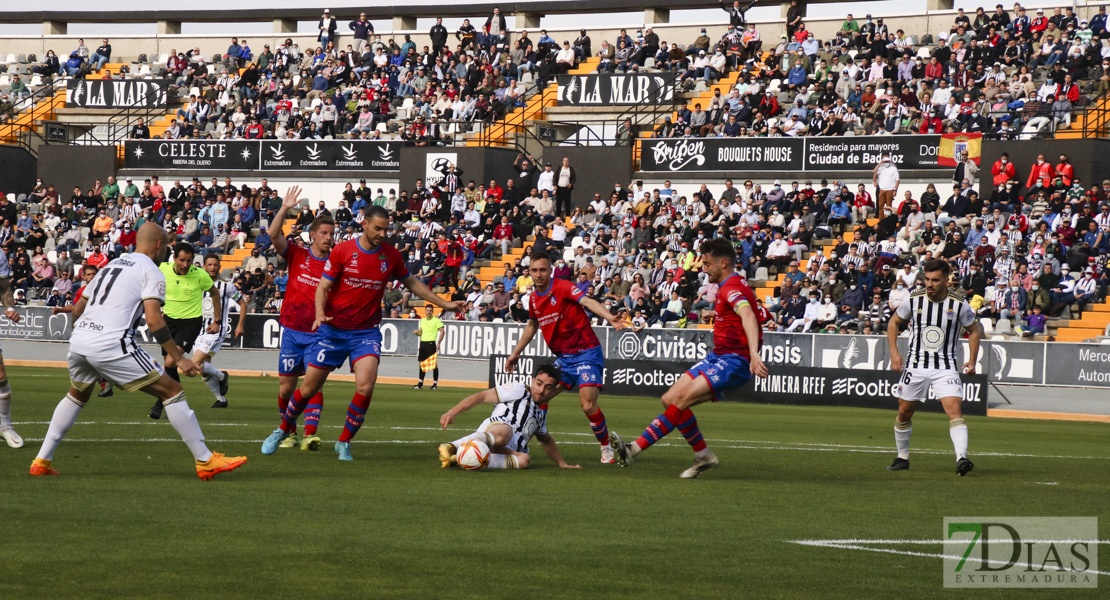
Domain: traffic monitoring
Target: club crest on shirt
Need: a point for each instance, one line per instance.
(384, 265)
(553, 301)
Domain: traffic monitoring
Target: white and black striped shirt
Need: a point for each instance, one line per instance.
(229, 295)
(516, 409)
(935, 329)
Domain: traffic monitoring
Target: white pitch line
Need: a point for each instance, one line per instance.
(834, 544)
(906, 542)
(730, 444)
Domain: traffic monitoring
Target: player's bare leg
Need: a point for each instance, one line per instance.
(684, 394)
(957, 430)
(366, 375)
(171, 371)
(184, 421)
(903, 429)
(214, 379)
(6, 429)
(587, 397)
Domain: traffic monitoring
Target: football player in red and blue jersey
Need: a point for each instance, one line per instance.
(737, 337)
(348, 311)
(298, 310)
(558, 309)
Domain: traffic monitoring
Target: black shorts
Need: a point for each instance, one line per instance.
(427, 349)
(184, 332)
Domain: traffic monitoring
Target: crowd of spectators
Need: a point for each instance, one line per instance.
(1034, 249)
(1000, 72)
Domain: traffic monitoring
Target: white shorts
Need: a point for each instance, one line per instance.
(208, 343)
(915, 383)
(131, 371)
(519, 441)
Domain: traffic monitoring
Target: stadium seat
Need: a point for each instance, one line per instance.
(700, 86)
(761, 274)
(498, 320)
(405, 112)
(163, 58)
(144, 70)
(36, 80)
(649, 62)
(141, 59)
(1003, 327)
(923, 52)
(52, 256)
(10, 59)
(657, 326)
(382, 127)
(927, 40)
(527, 77)
(194, 91)
(22, 58)
(32, 58)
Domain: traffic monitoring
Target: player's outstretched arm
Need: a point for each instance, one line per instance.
(7, 296)
(425, 293)
(552, 451)
(750, 323)
(79, 308)
(525, 338)
(277, 225)
(892, 342)
(599, 309)
(322, 302)
(242, 325)
(486, 397)
(974, 335)
(157, 325)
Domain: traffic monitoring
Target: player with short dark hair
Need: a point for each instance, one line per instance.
(348, 311)
(737, 337)
(937, 317)
(186, 284)
(298, 311)
(558, 309)
(520, 412)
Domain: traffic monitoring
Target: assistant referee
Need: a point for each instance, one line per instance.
(184, 310)
(431, 332)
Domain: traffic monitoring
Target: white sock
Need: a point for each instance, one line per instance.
(481, 436)
(5, 404)
(902, 433)
(210, 370)
(212, 383)
(184, 420)
(704, 452)
(957, 430)
(64, 417)
(501, 461)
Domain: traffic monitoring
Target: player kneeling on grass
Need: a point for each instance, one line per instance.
(737, 336)
(520, 413)
(103, 345)
(936, 317)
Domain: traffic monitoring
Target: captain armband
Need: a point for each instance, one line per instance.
(162, 335)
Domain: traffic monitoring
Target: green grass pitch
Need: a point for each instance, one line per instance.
(128, 518)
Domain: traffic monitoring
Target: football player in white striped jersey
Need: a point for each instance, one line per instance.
(937, 318)
(208, 344)
(520, 412)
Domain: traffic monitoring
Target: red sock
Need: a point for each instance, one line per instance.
(293, 410)
(312, 414)
(688, 426)
(661, 426)
(600, 429)
(356, 414)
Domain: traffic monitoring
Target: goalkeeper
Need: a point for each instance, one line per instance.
(431, 332)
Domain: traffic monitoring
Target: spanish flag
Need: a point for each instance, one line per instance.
(952, 144)
(429, 364)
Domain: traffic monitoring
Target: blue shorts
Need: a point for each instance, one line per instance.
(723, 372)
(333, 346)
(294, 345)
(584, 369)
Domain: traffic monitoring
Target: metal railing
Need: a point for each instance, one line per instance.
(22, 135)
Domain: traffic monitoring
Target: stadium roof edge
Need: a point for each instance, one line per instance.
(468, 10)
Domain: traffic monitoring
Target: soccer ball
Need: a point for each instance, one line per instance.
(473, 455)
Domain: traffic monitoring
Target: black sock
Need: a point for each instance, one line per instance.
(172, 372)
(435, 375)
